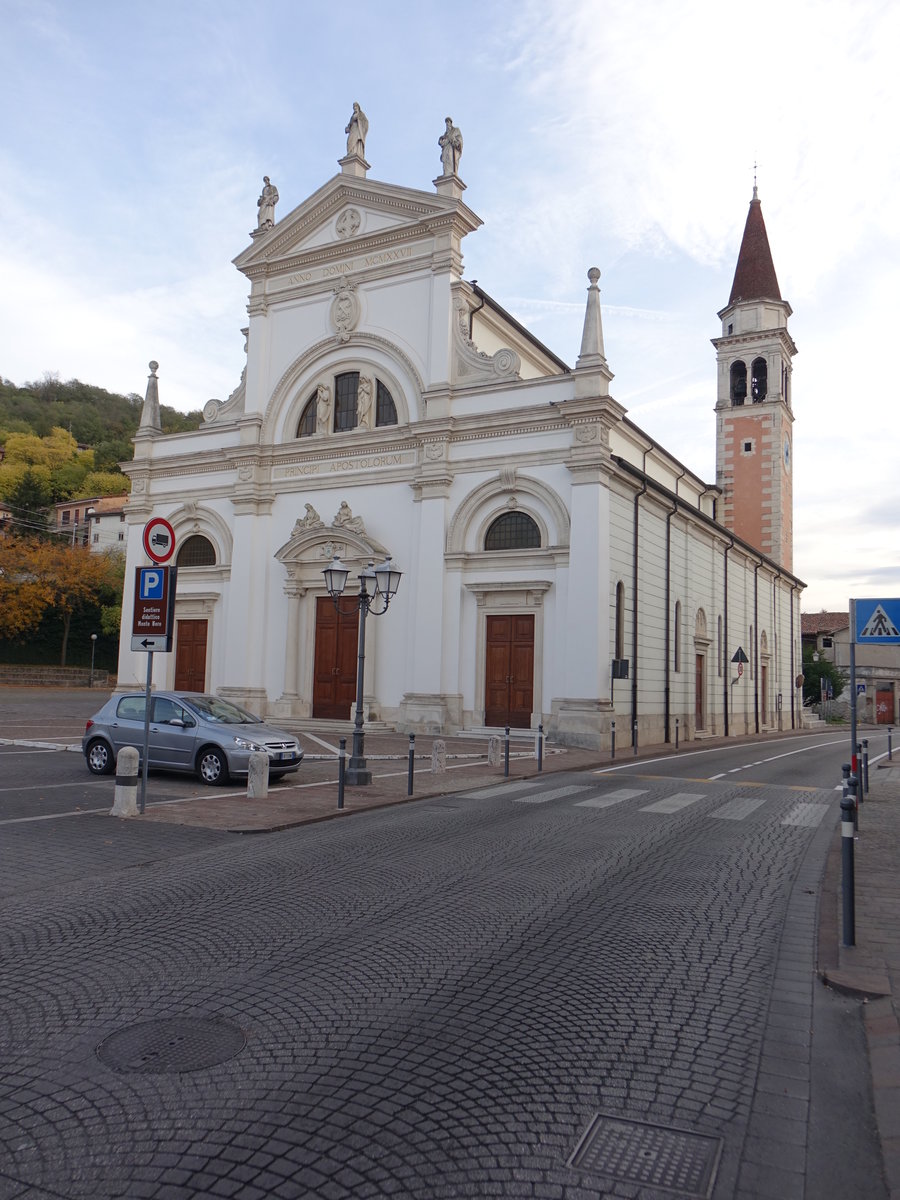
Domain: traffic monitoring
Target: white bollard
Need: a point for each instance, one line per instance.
(494, 752)
(125, 804)
(438, 756)
(258, 776)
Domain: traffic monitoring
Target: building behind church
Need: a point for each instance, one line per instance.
(559, 565)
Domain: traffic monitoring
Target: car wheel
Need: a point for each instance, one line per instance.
(212, 766)
(99, 757)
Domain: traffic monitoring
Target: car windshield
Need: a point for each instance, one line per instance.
(213, 708)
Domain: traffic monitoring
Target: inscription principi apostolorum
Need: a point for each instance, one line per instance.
(342, 465)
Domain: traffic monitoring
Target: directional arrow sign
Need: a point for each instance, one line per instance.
(877, 622)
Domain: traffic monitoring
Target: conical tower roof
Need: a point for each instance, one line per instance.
(754, 275)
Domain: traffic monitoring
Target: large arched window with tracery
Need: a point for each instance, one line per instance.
(513, 531)
(352, 405)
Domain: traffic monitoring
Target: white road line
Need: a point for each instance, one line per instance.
(611, 798)
(672, 804)
(737, 809)
(503, 790)
(805, 812)
(554, 794)
(629, 766)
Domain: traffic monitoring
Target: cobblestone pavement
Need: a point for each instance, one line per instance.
(430, 1001)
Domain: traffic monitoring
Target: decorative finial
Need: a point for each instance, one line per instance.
(150, 422)
(592, 337)
(755, 195)
(594, 276)
(154, 366)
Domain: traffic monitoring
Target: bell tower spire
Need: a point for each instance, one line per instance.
(754, 448)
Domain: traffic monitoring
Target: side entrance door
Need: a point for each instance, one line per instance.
(334, 672)
(509, 675)
(699, 698)
(190, 656)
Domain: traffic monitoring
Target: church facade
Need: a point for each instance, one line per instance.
(560, 567)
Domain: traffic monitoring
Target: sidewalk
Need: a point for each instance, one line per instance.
(871, 967)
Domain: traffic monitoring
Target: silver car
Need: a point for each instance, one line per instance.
(189, 732)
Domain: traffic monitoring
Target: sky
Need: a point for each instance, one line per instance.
(597, 133)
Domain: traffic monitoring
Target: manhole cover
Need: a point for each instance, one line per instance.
(635, 1152)
(171, 1046)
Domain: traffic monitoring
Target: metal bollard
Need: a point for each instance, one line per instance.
(342, 762)
(634, 737)
(412, 764)
(890, 752)
(866, 762)
(858, 772)
(848, 889)
(853, 784)
(676, 733)
(125, 803)
(506, 754)
(540, 748)
(612, 740)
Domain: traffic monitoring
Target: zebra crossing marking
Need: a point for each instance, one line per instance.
(555, 794)
(503, 790)
(738, 808)
(611, 798)
(673, 804)
(805, 812)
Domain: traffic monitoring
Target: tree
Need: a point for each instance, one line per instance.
(38, 575)
(814, 672)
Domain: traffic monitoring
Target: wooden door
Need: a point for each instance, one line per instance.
(334, 671)
(884, 707)
(190, 656)
(764, 694)
(509, 671)
(699, 697)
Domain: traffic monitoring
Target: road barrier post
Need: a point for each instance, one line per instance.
(506, 754)
(540, 748)
(412, 764)
(858, 772)
(342, 765)
(634, 737)
(890, 752)
(866, 762)
(847, 878)
(612, 740)
(676, 733)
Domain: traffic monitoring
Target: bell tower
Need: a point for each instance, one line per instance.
(754, 447)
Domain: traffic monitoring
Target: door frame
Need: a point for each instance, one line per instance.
(509, 600)
(200, 606)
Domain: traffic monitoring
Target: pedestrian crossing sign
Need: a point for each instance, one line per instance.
(877, 622)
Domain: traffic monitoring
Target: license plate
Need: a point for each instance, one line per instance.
(283, 754)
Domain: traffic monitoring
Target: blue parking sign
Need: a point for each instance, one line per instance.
(152, 583)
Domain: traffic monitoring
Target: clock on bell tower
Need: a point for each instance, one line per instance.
(754, 448)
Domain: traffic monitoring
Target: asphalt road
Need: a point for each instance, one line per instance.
(439, 1000)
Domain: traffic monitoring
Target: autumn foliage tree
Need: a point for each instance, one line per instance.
(39, 576)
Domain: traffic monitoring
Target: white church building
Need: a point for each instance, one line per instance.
(560, 567)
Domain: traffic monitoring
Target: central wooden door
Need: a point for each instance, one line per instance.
(509, 671)
(190, 656)
(334, 672)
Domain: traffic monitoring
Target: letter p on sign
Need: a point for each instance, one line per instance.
(151, 584)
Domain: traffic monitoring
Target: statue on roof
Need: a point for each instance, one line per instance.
(266, 204)
(357, 128)
(451, 144)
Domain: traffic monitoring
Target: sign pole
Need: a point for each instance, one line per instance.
(144, 764)
(854, 766)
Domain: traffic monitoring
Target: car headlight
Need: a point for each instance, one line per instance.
(243, 744)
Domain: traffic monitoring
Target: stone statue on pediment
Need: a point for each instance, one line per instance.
(356, 130)
(451, 144)
(345, 518)
(312, 520)
(266, 204)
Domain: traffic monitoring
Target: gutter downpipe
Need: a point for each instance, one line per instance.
(756, 646)
(473, 311)
(667, 680)
(634, 629)
(793, 664)
(726, 684)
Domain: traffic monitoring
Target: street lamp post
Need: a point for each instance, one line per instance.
(93, 648)
(375, 583)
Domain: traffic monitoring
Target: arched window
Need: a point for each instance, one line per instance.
(385, 409)
(307, 426)
(759, 380)
(677, 635)
(513, 531)
(620, 620)
(196, 551)
(346, 389)
(738, 382)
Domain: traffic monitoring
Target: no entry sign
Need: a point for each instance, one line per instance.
(159, 540)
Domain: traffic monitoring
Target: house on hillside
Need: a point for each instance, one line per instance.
(98, 522)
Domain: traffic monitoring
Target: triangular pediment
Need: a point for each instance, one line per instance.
(349, 215)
